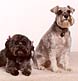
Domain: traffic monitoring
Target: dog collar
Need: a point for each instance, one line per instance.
(64, 30)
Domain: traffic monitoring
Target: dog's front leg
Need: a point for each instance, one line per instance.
(26, 67)
(66, 60)
(11, 68)
(54, 61)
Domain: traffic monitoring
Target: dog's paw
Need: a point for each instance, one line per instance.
(41, 68)
(15, 72)
(12, 71)
(57, 71)
(68, 69)
(26, 73)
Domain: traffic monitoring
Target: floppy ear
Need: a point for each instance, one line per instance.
(55, 9)
(7, 42)
(32, 47)
(71, 9)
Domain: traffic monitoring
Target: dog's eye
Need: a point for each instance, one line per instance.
(69, 11)
(23, 42)
(59, 12)
(16, 43)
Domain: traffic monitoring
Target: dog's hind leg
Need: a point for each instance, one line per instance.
(66, 61)
(2, 58)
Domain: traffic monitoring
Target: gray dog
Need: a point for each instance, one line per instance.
(54, 47)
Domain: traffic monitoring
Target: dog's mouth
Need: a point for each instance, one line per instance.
(20, 53)
(65, 22)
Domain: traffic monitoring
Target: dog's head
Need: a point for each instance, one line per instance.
(19, 46)
(63, 16)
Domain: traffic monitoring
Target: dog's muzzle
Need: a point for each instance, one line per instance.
(20, 52)
(65, 21)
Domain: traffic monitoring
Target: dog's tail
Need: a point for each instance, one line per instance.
(2, 58)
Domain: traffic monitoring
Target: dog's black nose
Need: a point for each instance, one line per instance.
(66, 16)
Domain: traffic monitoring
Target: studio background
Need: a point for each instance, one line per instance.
(33, 18)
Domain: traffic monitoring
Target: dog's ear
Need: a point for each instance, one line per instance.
(71, 9)
(55, 9)
(32, 47)
(7, 42)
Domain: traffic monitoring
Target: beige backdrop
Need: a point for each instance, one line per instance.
(32, 18)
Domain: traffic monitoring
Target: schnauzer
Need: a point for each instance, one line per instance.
(17, 55)
(54, 47)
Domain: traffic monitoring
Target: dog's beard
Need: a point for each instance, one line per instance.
(65, 23)
(20, 52)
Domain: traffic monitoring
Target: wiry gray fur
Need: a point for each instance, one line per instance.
(53, 49)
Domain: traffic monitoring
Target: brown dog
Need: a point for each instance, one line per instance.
(17, 53)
